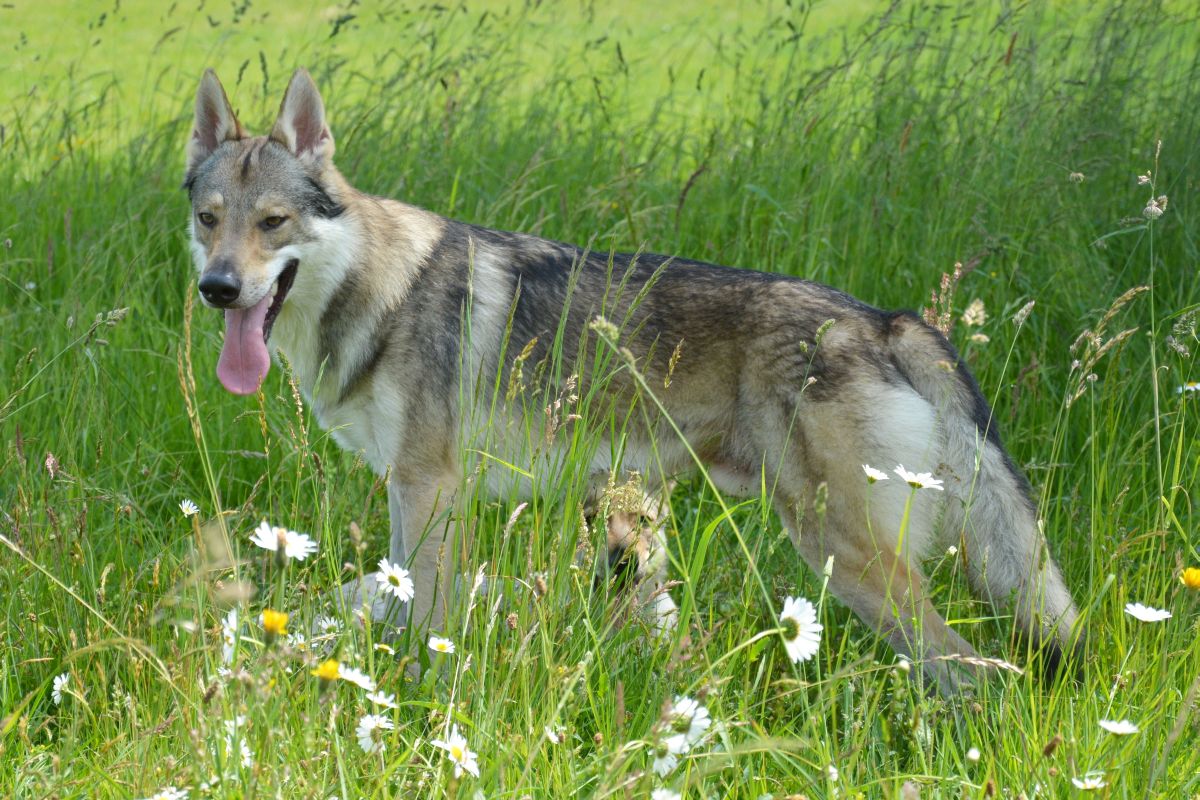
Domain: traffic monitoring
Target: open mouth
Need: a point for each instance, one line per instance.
(244, 356)
(279, 293)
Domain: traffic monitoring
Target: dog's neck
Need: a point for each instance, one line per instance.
(360, 265)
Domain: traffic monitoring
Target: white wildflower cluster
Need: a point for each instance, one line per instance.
(683, 728)
(917, 480)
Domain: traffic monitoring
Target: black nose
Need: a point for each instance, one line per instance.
(220, 288)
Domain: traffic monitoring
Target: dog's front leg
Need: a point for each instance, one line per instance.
(422, 540)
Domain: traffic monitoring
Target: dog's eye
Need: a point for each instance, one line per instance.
(271, 223)
(206, 219)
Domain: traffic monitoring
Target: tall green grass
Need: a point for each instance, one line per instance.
(871, 151)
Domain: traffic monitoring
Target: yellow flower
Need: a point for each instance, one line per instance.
(328, 670)
(1191, 578)
(274, 622)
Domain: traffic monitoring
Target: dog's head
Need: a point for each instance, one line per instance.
(633, 540)
(260, 206)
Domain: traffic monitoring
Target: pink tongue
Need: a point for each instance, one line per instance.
(244, 358)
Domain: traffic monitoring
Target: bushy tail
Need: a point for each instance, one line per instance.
(989, 506)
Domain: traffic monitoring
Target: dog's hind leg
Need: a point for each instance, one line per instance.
(1007, 559)
(883, 590)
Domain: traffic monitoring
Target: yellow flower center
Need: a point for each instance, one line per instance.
(394, 579)
(456, 752)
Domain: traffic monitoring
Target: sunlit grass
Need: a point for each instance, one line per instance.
(871, 153)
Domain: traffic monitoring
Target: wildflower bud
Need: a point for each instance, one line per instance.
(828, 570)
(973, 755)
(1051, 746)
(1075, 177)
(821, 499)
(989, 788)
(598, 738)
(511, 621)
(1023, 314)
(605, 328)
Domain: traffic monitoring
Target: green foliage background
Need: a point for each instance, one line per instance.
(864, 146)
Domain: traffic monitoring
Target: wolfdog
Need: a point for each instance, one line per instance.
(396, 323)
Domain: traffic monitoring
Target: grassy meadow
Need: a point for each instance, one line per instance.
(866, 146)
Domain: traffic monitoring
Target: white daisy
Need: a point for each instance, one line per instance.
(380, 647)
(973, 755)
(667, 753)
(664, 794)
(357, 677)
(458, 752)
(690, 718)
(1090, 782)
(1189, 386)
(232, 726)
(243, 748)
(383, 699)
(267, 537)
(555, 736)
(229, 635)
(60, 684)
(295, 545)
(169, 793)
(918, 480)
(369, 738)
(802, 632)
(1122, 727)
(1146, 613)
(439, 645)
(298, 545)
(874, 474)
(395, 580)
(831, 772)
(188, 508)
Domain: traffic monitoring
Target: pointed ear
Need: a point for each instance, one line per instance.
(301, 126)
(215, 121)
